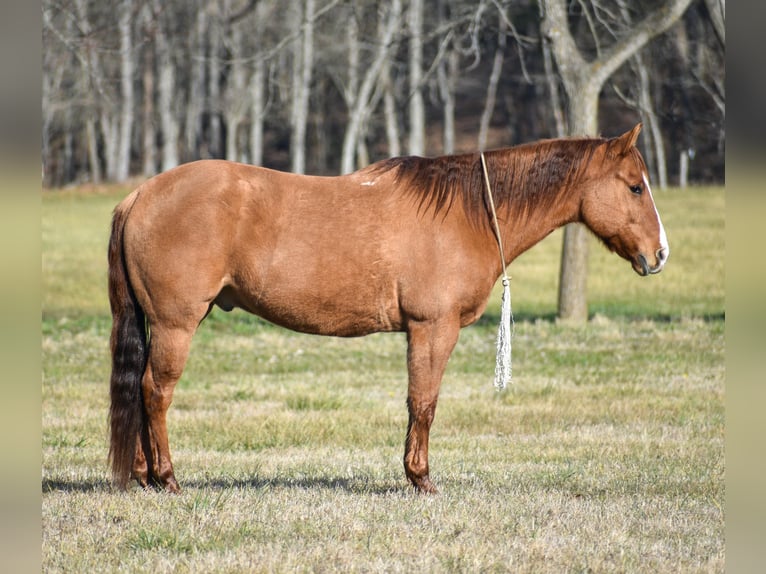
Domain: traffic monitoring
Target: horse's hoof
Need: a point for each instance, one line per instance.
(172, 487)
(424, 486)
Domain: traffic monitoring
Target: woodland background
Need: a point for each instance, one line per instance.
(134, 87)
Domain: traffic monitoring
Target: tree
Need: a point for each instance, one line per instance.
(166, 88)
(195, 103)
(390, 115)
(258, 90)
(417, 136)
(494, 79)
(359, 99)
(583, 80)
(122, 165)
(303, 65)
(149, 167)
(235, 97)
(447, 77)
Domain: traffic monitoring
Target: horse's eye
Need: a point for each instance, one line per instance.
(637, 189)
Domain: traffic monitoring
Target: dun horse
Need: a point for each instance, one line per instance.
(405, 244)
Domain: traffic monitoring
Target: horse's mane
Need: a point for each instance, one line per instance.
(522, 176)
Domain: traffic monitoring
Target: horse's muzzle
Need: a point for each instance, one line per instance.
(642, 265)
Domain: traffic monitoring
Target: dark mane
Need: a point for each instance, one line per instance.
(523, 176)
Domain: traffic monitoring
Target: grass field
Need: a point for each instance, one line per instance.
(606, 455)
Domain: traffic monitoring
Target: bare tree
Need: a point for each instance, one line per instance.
(303, 62)
(235, 97)
(494, 79)
(258, 81)
(166, 89)
(583, 80)
(360, 100)
(195, 104)
(390, 115)
(149, 132)
(127, 106)
(417, 134)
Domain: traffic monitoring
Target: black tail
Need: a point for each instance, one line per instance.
(129, 355)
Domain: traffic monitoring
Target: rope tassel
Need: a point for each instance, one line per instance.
(503, 365)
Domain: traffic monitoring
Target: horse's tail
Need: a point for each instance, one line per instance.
(129, 350)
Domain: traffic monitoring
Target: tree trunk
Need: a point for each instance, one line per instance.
(573, 273)
(236, 94)
(195, 104)
(391, 117)
(150, 135)
(417, 139)
(214, 138)
(683, 169)
(109, 138)
(652, 123)
(553, 90)
(257, 111)
(351, 96)
(303, 65)
(446, 74)
(258, 91)
(122, 166)
(95, 166)
(167, 95)
(362, 98)
(494, 78)
(67, 166)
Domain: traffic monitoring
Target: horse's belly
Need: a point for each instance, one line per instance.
(310, 310)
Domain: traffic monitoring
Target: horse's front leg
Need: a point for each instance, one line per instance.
(429, 346)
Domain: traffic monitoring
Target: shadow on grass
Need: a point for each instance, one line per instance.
(490, 319)
(361, 485)
(70, 486)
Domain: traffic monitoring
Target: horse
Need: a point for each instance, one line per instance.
(404, 244)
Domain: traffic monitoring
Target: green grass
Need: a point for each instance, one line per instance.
(605, 455)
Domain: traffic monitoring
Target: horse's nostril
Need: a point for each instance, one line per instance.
(662, 254)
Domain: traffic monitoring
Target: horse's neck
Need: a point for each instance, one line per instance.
(523, 228)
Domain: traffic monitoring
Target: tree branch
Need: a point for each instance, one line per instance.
(639, 35)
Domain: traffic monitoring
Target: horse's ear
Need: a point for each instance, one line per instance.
(621, 145)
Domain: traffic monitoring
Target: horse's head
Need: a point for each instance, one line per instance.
(618, 206)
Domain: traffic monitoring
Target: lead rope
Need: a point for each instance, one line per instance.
(503, 365)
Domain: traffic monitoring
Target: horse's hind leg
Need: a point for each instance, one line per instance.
(168, 351)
